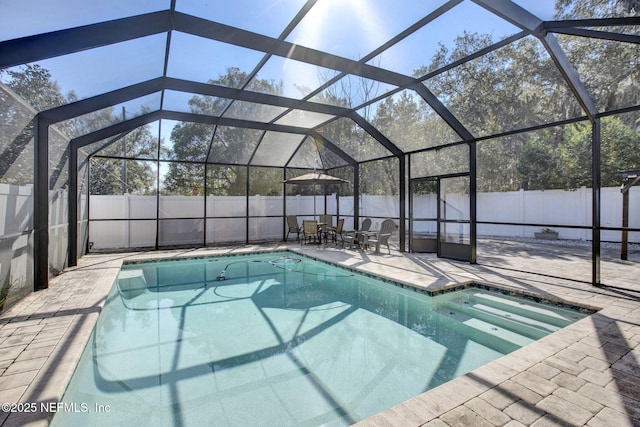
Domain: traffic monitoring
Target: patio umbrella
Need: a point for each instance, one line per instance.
(315, 178)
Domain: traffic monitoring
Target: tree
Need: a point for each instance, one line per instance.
(380, 177)
(609, 69)
(619, 151)
(182, 178)
(107, 174)
(196, 142)
(16, 133)
(538, 165)
(586, 9)
(106, 177)
(400, 119)
(35, 85)
(519, 86)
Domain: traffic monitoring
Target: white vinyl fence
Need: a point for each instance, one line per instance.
(16, 238)
(557, 207)
(16, 243)
(570, 208)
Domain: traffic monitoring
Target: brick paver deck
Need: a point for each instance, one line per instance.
(585, 374)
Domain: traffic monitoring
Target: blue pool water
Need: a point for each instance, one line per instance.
(279, 339)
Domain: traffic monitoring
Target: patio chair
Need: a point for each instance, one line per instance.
(326, 220)
(333, 233)
(292, 223)
(354, 237)
(310, 230)
(382, 236)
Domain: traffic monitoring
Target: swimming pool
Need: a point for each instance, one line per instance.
(279, 339)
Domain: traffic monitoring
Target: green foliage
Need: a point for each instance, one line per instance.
(575, 155)
(586, 9)
(199, 142)
(34, 84)
(226, 180)
(519, 86)
(30, 88)
(380, 177)
(403, 119)
(514, 87)
(16, 140)
(425, 187)
(106, 176)
(538, 166)
(191, 180)
(265, 181)
(619, 151)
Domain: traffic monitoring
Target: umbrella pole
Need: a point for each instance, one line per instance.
(325, 200)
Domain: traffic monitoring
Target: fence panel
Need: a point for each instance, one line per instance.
(534, 207)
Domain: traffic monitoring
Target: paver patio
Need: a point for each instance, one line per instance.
(585, 374)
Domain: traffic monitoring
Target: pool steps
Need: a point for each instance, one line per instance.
(500, 321)
(132, 282)
(557, 316)
(530, 327)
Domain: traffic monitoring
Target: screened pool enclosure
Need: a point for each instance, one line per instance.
(166, 123)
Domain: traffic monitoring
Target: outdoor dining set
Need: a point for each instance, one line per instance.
(322, 230)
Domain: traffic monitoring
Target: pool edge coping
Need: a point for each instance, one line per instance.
(614, 313)
(550, 300)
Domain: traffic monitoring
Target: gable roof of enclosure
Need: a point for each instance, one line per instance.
(154, 56)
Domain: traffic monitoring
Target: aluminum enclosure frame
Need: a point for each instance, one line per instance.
(49, 45)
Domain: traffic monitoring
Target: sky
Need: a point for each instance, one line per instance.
(348, 28)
